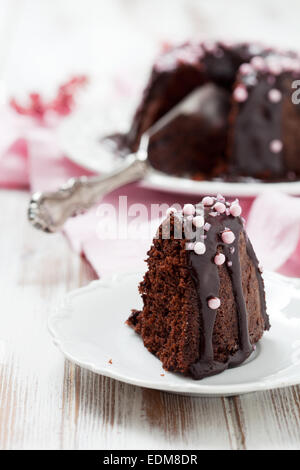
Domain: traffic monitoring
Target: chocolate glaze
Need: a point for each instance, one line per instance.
(242, 149)
(205, 274)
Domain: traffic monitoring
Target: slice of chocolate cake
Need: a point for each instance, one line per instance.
(204, 300)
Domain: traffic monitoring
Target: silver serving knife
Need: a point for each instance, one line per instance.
(48, 211)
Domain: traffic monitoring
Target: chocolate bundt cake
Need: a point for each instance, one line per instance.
(203, 294)
(257, 133)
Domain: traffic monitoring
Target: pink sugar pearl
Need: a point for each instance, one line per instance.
(219, 259)
(198, 221)
(235, 210)
(228, 237)
(274, 95)
(240, 94)
(199, 248)
(189, 209)
(220, 198)
(207, 201)
(214, 303)
(220, 207)
(275, 67)
(276, 146)
(258, 63)
(245, 69)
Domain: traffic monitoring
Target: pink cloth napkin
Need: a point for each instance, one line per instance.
(30, 158)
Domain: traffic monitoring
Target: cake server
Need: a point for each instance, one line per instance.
(48, 211)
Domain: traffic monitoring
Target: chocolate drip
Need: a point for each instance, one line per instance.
(206, 278)
(254, 259)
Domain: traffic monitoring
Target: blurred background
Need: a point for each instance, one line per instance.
(44, 41)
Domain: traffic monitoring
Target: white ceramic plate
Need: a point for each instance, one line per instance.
(80, 134)
(88, 327)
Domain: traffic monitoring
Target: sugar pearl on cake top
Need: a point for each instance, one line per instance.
(207, 201)
(207, 226)
(245, 69)
(199, 248)
(240, 94)
(189, 209)
(228, 236)
(220, 198)
(220, 207)
(198, 221)
(274, 67)
(229, 264)
(219, 259)
(258, 63)
(276, 146)
(235, 210)
(274, 95)
(214, 303)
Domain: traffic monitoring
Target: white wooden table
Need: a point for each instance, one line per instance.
(45, 401)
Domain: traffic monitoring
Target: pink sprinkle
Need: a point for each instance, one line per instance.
(274, 95)
(219, 259)
(275, 67)
(220, 207)
(220, 198)
(240, 94)
(232, 250)
(258, 63)
(214, 303)
(229, 264)
(213, 214)
(207, 226)
(198, 221)
(199, 248)
(235, 210)
(276, 146)
(189, 209)
(210, 46)
(227, 211)
(207, 201)
(245, 69)
(228, 236)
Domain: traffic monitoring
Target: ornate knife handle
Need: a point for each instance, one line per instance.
(49, 210)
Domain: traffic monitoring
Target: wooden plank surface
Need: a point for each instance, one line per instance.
(45, 401)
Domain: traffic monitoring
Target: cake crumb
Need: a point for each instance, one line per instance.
(162, 375)
(110, 361)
